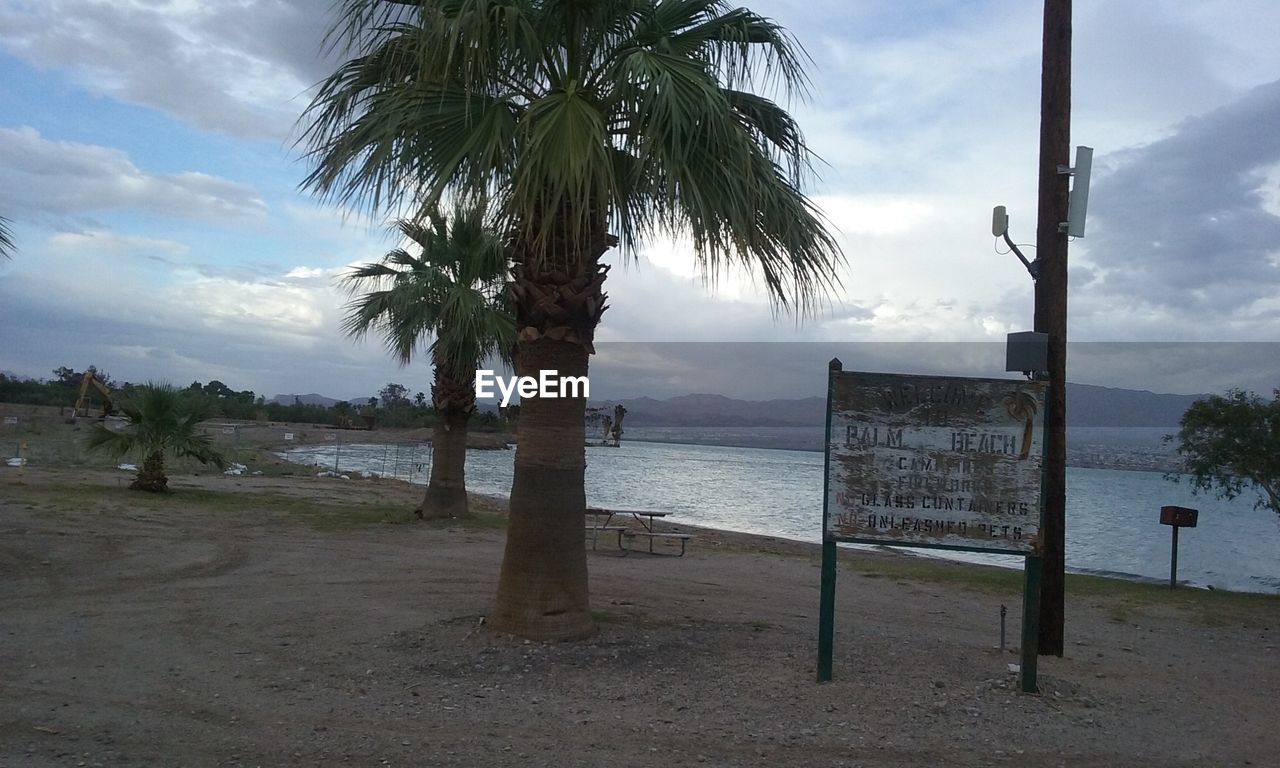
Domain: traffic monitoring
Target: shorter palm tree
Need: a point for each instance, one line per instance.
(160, 422)
(455, 290)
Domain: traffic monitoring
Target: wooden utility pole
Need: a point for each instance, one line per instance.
(1051, 306)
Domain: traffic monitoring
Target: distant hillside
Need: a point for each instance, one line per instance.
(721, 411)
(311, 399)
(1091, 406)
(1087, 406)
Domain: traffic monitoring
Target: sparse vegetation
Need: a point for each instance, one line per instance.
(221, 401)
(1122, 600)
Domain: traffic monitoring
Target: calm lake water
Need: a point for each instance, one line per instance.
(1112, 515)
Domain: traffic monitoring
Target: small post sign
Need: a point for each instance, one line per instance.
(936, 462)
(1177, 517)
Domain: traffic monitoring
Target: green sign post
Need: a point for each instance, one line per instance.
(935, 462)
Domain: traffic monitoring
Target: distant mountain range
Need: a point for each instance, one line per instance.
(1090, 406)
(310, 399)
(721, 411)
(1087, 406)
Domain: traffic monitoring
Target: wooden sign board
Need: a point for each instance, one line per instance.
(931, 461)
(1179, 517)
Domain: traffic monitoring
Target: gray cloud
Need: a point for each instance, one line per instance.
(60, 179)
(1181, 224)
(235, 68)
(1138, 60)
(74, 315)
(929, 104)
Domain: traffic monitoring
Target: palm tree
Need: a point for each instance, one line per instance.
(6, 239)
(590, 124)
(160, 421)
(456, 290)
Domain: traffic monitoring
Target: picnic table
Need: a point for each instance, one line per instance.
(644, 517)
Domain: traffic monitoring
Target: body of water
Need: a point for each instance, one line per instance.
(1112, 515)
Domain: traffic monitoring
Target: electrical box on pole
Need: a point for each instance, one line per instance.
(1027, 351)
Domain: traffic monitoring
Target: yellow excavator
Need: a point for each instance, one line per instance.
(91, 379)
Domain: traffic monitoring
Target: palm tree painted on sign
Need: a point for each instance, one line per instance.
(160, 421)
(1022, 405)
(454, 289)
(590, 124)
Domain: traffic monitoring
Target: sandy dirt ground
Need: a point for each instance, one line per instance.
(224, 626)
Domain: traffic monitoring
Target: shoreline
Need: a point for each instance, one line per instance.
(995, 561)
(312, 434)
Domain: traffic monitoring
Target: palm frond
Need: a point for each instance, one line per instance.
(451, 289)
(6, 239)
(649, 117)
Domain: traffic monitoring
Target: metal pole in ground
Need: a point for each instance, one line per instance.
(1173, 561)
(827, 584)
(1030, 624)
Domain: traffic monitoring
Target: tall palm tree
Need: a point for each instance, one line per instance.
(591, 124)
(159, 421)
(454, 290)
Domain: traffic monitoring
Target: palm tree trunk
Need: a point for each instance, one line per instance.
(151, 476)
(542, 589)
(453, 396)
(447, 491)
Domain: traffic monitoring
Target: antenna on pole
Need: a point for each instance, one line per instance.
(1078, 202)
(1000, 228)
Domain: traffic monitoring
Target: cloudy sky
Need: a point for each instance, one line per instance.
(146, 163)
